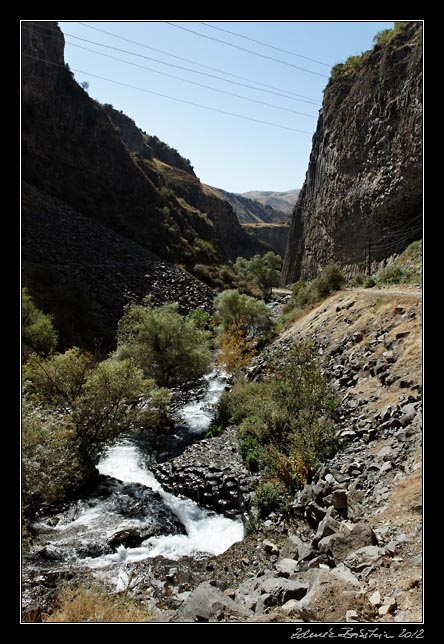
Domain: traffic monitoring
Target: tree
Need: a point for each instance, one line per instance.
(38, 330)
(99, 402)
(232, 309)
(236, 349)
(263, 271)
(167, 346)
(84, 85)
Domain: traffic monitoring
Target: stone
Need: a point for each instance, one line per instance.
(327, 526)
(291, 607)
(206, 603)
(364, 558)
(343, 543)
(375, 599)
(286, 567)
(329, 598)
(339, 498)
(270, 547)
(129, 538)
(295, 548)
(229, 592)
(280, 590)
(351, 616)
(389, 606)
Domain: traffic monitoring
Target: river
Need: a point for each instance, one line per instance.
(79, 536)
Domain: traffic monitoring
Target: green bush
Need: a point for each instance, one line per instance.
(38, 330)
(350, 67)
(329, 279)
(285, 421)
(394, 274)
(304, 294)
(167, 346)
(51, 466)
(267, 498)
(232, 309)
(99, 401)
(262, 271)
(382, 36)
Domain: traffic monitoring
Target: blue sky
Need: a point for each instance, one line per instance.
(228, 152)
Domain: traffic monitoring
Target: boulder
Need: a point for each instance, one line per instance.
(339, 545)
(277, 591)
(295, 548)
(286, 567)
(366, 557)
(130, 538)
(330, 598)
(207, 603)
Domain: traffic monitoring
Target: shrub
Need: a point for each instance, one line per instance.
(329, 279)
(98, 401)
(51, 467)
(394, 274)
(262, 271)
(350, 67)
(287, 418)
(382, 36)
(236, 348)
(267, 498)
(232, 308)
(167, 346)
(38, 330)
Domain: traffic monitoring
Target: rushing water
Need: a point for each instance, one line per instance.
(95, 521)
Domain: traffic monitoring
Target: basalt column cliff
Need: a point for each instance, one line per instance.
(362, 197)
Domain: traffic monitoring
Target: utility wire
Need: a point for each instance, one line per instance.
(194, 62)
(185, 80)
(255, 53)
(172, 98)
(156, 60)
(259, 42)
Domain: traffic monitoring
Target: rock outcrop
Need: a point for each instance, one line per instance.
(211, 472)
(275, 235)
(362, 197)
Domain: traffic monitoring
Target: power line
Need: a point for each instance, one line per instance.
(172, 98)
(185, 80)
(255, 53)
(193, 71)
(194, 62)
(259, 42)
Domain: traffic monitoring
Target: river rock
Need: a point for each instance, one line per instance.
(211, 473)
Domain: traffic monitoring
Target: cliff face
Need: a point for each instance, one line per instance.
(362, 196)
(275, 235)
(175, 175)
(104, 205)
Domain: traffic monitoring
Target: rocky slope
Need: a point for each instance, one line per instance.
(362, 195)
(275, 235)
(250, 211)
(176, 179)
(349, 548)
(84, 273)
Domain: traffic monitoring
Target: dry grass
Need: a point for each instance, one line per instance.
(91, 602)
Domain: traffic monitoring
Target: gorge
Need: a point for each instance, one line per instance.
(269, 468)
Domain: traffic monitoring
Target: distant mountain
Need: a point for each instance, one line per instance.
(280, 201)
(252, 210)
